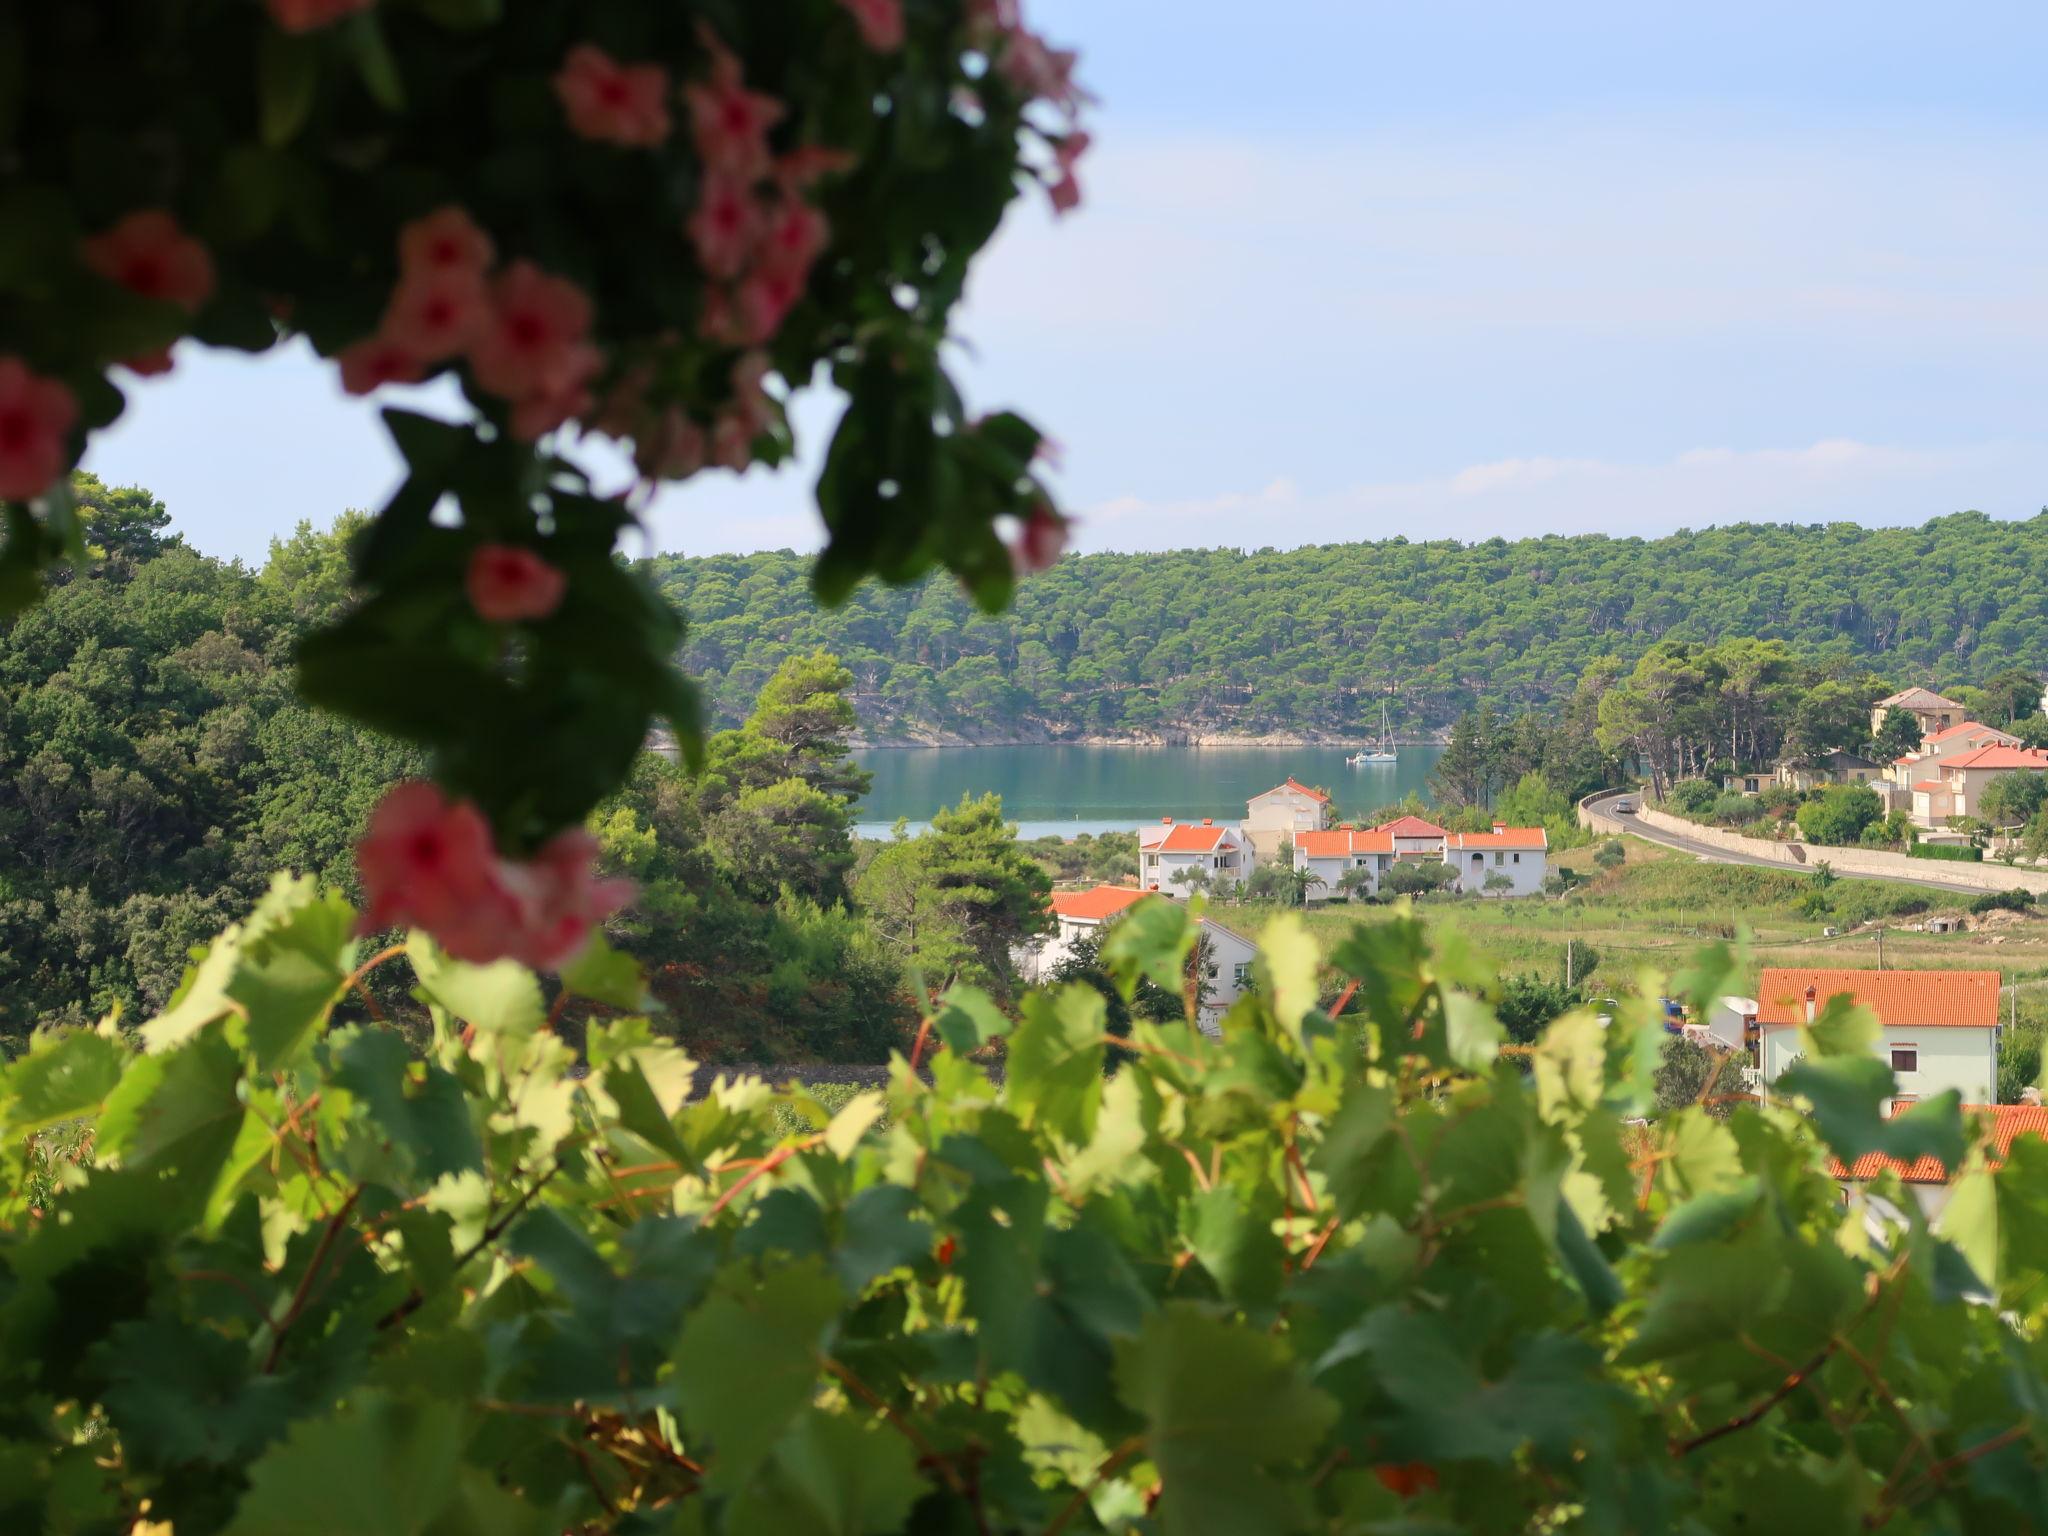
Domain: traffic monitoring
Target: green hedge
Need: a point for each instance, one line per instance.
(1955, 853)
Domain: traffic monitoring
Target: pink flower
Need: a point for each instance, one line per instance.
(765, 300)
(531, 341)
(795, 236)
(672, 448)
(36, 417)
(732, 441)
(809, 163)
(724, 224)
(1039, 542)
(731, 123)
(149, 364)
(428, 862)
(1065, 189)
(509, 585)
(536, 415)
(1036, 70)
(434, 312)
(612, 102)
(751, 404)
(311, 15)
(880, 22)
(375, 361)
(147, 253)
(446, 240)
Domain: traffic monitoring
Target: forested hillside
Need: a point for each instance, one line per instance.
(1307, 640)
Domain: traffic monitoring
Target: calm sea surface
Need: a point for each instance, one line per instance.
(1067, 790)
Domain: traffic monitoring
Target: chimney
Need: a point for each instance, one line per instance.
(1166, 821)
(1208, 821)
(1499, 827)
(1810, 995)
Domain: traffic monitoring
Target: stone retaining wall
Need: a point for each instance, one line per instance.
(1851, 861)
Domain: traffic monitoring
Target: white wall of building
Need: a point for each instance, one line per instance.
(1946, 1056)
(1523, 867)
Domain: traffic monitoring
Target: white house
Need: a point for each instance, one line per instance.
(1334, 855)
(1228, 955)
(1934, 712)
(1172, 848)
(1292, 807)
(1939, 1029)
(1513, 859)
(1956, 787)
(1415, 838)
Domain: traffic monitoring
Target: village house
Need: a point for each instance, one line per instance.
(1926, 1181)
(1508, 861)
(1282, 814)
(1174, 857)
(1928, 707)
(1825, 768)
(1517, 856)
(1227, 955)
(1956, 787)
(1938, 1029)
(1364, 855)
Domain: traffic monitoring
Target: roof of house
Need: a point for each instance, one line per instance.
(1932, 786)
(1093, 906)
(1917, 698)
(1502, 838)
(1910, 757)
(1997, 757)
(1297, 786)
(1411, 826)
(1900, 999)
(1343, 841)
(2009, 1122)
(1969, 727)
(1184, 837)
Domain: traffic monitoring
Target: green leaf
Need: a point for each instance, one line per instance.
(420, 1108)
(295, 957)
(852, 1123)
(287, 79)
(1473, 1035)
(1232, 1234)
(1152, 939)
(177, 1112)
(1842, 1029)
(374, 63)
(749, 1361)
(830, 1476)
(1848, 1093)
(503, 997)
(1287, 966)
(968, 1019)
(381, 1464)
(65, 1074)
(880, 1231)
(609, 976)
(1223, 1405)
(1054, 1071)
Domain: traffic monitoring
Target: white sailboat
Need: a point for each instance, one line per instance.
(1384, 752)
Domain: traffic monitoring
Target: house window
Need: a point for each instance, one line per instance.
(1905, 1058)
(1478, 859)
(1241, 974)
(1499, 859)
(1518, 858)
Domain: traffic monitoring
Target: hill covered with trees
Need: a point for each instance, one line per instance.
(1308, 641)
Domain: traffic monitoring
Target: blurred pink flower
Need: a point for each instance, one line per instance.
(614, 103)
(375, 361)
(310, 15)
(147, 253)
(560, 901)
(536, 415)
(765, 299)
(428, 862)
(808, 163)
(1040, 541)
(730, 123)
(446, 240)
(795, 236)
(880, 22)
(36, 417)
(531, 339)
(510, 585)
(732, 441)
(724, 226)
(671, 448)
(434, 312)
(149, 365)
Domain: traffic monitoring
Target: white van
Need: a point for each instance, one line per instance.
(1625, 806)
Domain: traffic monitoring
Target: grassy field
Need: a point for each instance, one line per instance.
(1659, 905)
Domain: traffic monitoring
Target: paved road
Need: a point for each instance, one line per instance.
(1617, 821)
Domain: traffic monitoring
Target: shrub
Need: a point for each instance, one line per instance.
(1954, 853)
(1611, 853)
(2003, 901)
(1691, 797)
(1840, 814)
(1418, 877)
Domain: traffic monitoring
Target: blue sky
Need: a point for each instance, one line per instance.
(1351, 269)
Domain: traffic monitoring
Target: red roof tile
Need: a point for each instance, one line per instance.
(1968, 727)
(1186, 837)
(1411, 826)
(1341, 843)
(2009, 1122)
(1094, 906)
(1932, 786)
(1900, 999)
(1997, 757)
(1298, 787)
(1506, 837)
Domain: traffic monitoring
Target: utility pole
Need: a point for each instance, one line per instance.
(1568, 964)
(1880, 949)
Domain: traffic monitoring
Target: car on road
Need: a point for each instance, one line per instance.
(1624, 806)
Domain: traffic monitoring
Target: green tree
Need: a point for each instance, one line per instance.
(1897, 735)
(1839, 815)
(2013, 799)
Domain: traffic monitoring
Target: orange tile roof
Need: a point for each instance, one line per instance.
(1998, 757)
(1094, 906)
(1411, 826)
(1918, 698)
(1506, 837)
(1344, 841)
(2009, 1122)
(1900, 999)
(1298, 787)
(1966, 728)
(1932, 786)
(1186, 837)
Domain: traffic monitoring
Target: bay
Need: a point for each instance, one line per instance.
(1064, 791)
